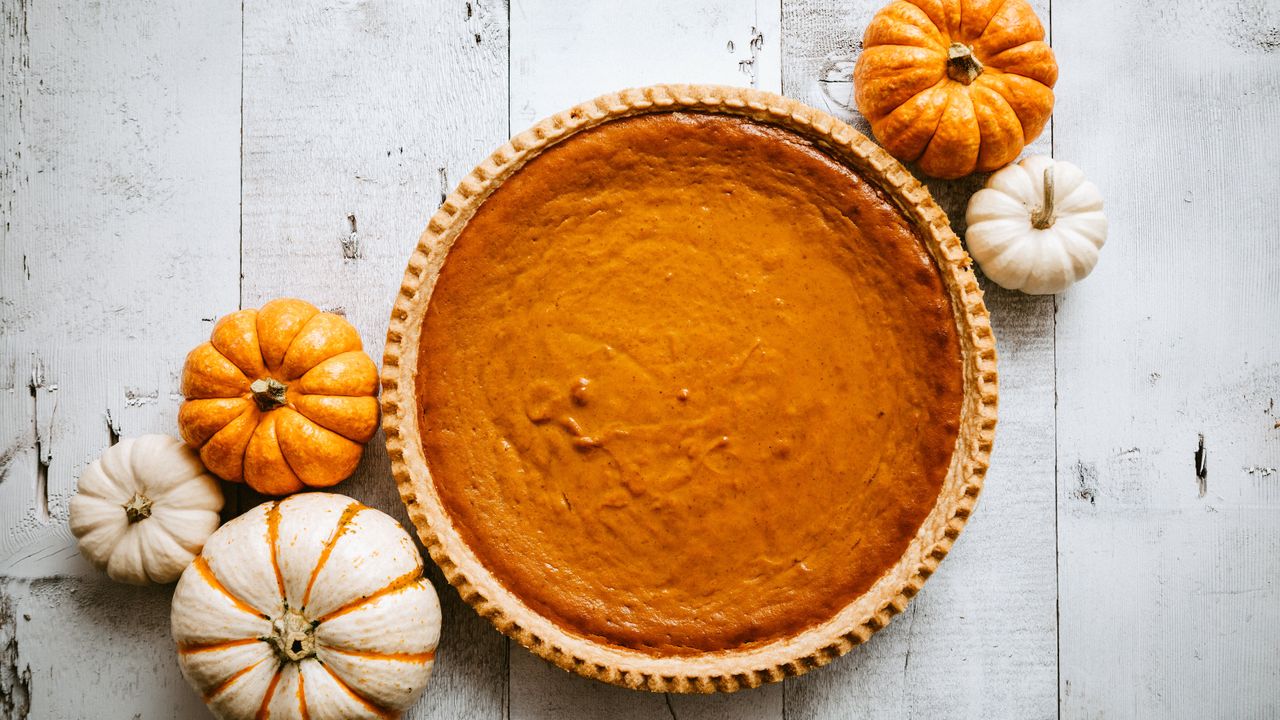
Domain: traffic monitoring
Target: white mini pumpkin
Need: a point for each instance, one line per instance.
(1037, 226)
(144, 509)
(313, 607)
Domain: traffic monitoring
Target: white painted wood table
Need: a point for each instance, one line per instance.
(162, 164)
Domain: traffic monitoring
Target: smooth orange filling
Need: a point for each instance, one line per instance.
(688, 384)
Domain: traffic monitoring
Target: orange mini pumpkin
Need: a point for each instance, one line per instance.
(955, 86)
(281, 398)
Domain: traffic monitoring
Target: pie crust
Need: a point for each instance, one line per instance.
(726, 670)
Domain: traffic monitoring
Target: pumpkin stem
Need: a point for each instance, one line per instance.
(962, 66)
(269, 394)
(1043, 217)
(293, 637)
(138, 508)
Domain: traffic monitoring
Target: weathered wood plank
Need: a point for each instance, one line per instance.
(1170, 601)
(89, 648)
(358, 116)
(120, 183)
(119, 244)
(564, 55)
(119, 198)
(979, 640)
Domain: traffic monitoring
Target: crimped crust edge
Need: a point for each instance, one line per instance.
(724, 671)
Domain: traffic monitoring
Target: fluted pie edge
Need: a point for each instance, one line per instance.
(723, 671)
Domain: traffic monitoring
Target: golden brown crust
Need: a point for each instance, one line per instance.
(718, 671)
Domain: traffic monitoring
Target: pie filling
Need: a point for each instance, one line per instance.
(687, 383)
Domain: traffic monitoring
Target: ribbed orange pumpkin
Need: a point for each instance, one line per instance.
(281, 398)
(955, 86)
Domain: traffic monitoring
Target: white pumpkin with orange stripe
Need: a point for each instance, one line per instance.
(310, 608)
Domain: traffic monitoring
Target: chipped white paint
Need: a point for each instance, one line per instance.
(565, 53)
(1170, 584)
(119, 198)
(980, 639)
(119, 202)
(561, 56)
(121, 171)
(356, 114)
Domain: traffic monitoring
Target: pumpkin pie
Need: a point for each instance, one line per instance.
(689, 388)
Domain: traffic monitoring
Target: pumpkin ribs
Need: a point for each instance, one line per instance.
(202, 567)
(398, 584)
(341, 527)
(373, 707)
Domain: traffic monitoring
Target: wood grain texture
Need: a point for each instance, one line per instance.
(120, 242)
(120, 194)
(562, 54)
(1170, 599)
(119, 245)
(358, 116)
(88, 647)
(980, 640)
